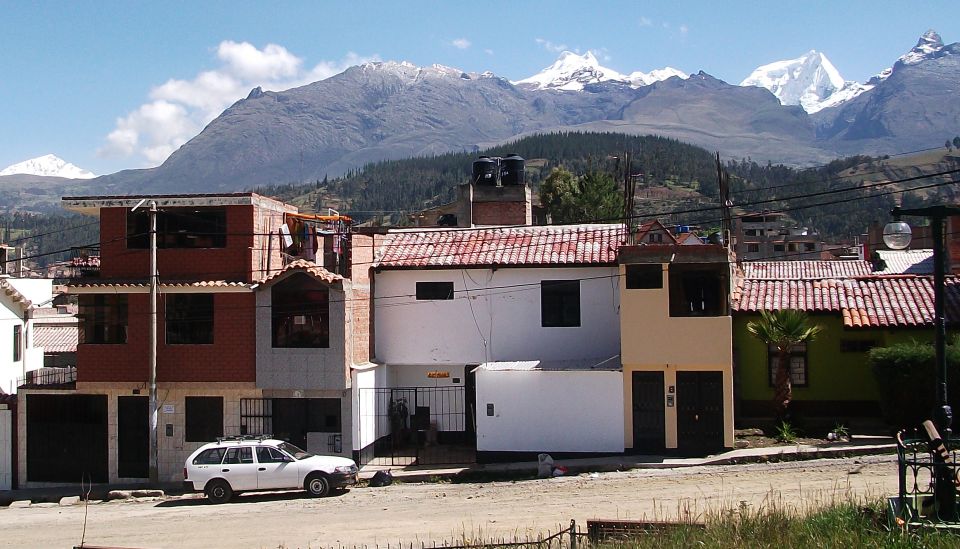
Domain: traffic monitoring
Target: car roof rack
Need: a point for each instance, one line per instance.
(242, 438)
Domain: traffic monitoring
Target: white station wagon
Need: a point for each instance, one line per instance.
(245, 464)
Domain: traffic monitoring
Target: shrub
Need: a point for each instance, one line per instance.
(905, 376)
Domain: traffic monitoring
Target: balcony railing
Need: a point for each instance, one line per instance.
(49, 378)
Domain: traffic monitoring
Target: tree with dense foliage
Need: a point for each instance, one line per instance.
(783, 329)
(594, 197)
(906, 377)
(956, 142)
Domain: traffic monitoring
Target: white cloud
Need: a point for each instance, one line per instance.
(684, 30)
(178, 109)
(551, 46)
(488, 51)
(646, 22)
(461, 43)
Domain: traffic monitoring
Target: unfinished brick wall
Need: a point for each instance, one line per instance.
(230, 263)
(231, 356)
(361, 304)
(502, 213)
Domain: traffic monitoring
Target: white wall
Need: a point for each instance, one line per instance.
(495, 315)
(9, 370)
(364, 410)
(550, 411)
(37, 290)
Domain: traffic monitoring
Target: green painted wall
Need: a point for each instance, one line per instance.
(831, 374)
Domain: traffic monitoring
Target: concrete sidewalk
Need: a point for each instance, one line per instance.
(429, 473)
(490, 471)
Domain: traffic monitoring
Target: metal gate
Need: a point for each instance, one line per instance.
(402, 426)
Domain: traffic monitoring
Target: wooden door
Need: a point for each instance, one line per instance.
(648, 412)
(699, 412)
(133, 437)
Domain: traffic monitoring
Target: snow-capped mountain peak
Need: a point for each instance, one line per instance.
(571, 72)
(48, 165)
(929, 43)
(639, 78)
(810, 81)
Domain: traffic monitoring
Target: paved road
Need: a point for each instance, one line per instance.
(437, 512)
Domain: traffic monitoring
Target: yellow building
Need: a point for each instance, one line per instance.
(676, 347)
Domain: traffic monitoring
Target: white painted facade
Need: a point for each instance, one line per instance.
(495, 315)
(549, 411)
(14, 314)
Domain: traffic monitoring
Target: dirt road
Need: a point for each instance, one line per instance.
(437, 512)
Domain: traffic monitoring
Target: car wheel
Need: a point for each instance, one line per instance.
(317, 485)
(219, 491)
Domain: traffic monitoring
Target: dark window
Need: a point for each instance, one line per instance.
(856, 345)
(808, 246)
(204, 419)
(798, 364)
(209, 457)
(644, 277)
(242, 454)
(266, 454)
(753, 248)
(750, 232)
(698, 290)
(179, 228)
(779, 248)
(189, 318)
(300, 313)
(434, 290)
(560, 303)
(793, 247)
(17, 342)
(103, 318)
(655, 238)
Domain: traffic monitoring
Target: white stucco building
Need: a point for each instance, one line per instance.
(506, 337)
(18, 298)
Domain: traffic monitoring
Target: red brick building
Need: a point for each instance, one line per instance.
(238, 350)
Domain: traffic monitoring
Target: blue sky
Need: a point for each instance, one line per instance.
(112, 85)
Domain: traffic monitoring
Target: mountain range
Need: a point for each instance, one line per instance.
(798, 112)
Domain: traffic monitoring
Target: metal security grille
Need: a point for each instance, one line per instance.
(256, 416)
(415, 426)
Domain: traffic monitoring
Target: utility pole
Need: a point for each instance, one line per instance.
(154, 446)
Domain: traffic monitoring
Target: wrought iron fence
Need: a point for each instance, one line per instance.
(403, 426)
(921, 469)
(599, 533)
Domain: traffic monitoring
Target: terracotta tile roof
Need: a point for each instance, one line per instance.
(55, 339)
(14, 294)
(906, 261)
(805, 270)
(535, 245)
(307, 267)
(874, 301)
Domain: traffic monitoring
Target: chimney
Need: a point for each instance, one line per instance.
(497, 193)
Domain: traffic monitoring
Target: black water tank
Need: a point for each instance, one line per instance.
(484, 171)
(511, 170)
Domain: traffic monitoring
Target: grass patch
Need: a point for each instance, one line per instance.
(835, 525)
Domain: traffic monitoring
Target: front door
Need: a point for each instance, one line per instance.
(648, 415)
(699, 412)
(133, 437)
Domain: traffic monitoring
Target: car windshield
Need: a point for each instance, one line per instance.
(294, 451)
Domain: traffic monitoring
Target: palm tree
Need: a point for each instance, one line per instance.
(783, 329)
